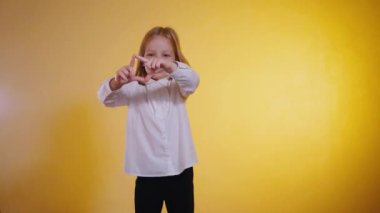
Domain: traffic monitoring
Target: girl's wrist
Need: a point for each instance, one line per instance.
(114, 85)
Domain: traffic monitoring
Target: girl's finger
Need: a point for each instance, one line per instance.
(132, 62)
(117, 78)
(157, 64)
(126, 72)
(132, 76)
(131, 71)
(152, 64)
(142, 59)
(149, 63)
(160, 64)
(122, 77)
(122, 74)
(148, 66)
(147, 78)
(140, 79)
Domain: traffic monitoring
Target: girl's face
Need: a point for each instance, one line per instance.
(159, 47)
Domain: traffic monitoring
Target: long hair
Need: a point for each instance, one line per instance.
(168, 33)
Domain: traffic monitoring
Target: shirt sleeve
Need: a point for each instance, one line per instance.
(111, 98)
(186, 78)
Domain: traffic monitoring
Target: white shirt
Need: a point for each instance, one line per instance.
(158, 139)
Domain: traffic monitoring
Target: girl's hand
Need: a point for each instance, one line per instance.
(126, 74)
(156, 65)
(153, 66)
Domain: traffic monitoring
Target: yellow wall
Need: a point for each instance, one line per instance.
(286, 118)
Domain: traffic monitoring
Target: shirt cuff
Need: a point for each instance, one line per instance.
(105, 89)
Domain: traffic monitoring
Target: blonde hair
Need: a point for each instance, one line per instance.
(166, 32)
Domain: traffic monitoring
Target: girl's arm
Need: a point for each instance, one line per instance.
(113, 98)
(186, 78)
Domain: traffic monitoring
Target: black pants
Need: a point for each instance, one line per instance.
(177, 191)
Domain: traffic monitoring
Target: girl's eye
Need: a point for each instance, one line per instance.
(150, 54)
(166, 55)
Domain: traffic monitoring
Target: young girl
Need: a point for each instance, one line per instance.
(160, 149)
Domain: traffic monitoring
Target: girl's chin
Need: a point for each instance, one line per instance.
(156, 71)
(159, 75)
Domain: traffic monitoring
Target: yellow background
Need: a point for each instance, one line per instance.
(286, 118)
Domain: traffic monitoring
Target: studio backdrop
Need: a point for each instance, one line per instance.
(286, 117)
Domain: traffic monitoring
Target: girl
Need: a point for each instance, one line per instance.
(159, 150)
